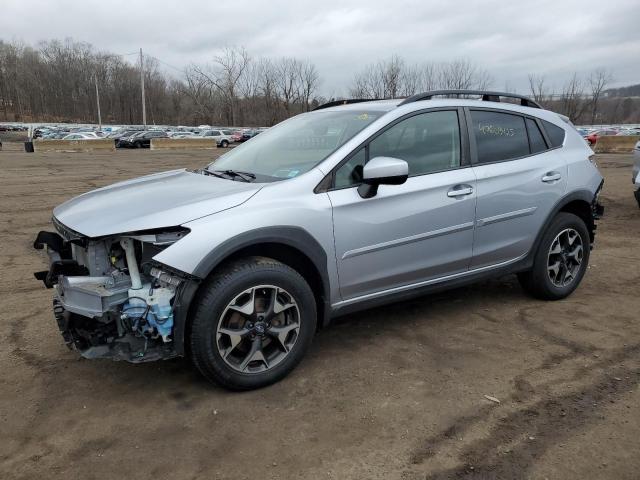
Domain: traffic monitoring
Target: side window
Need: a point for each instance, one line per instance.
(215, 133)
(499, 136)
(351, 172)
(555, 133)
(536, 140)
(428, 142)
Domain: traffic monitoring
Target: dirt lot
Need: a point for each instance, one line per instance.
(393, 393)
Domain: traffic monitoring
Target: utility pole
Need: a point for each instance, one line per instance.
(98, 101)
(144, 108)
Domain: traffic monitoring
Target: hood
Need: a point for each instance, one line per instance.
(155, 201)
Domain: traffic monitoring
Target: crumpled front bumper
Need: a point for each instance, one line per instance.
(90, 323)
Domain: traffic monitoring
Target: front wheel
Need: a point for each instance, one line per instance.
(253, 322)
(561, 259)
(224, 143)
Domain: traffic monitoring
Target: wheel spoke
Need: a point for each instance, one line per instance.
(576, 254)
(235, 337)
(269, 311)
(255, 354)
(247, 308)
(555, 248)
(555, 268)
(568, 276)
(281, 334)
(282, 306)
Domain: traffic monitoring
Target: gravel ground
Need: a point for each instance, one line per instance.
(392, 393)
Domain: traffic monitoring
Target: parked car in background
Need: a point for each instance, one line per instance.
(118, 134)
(245, 135)
(183, 135)
(629, 131)
(141, 139)
(592, 138)
(636, 171)
(223, 138)
(81, 136)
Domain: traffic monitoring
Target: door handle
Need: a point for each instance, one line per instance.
(551, 177)
(460, 191)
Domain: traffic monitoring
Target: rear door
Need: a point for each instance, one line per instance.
(409, 233)
(520, 177)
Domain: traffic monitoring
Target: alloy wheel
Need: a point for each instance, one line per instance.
(258, 329)
(565, 257)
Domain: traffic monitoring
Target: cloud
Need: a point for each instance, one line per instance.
(508, 39)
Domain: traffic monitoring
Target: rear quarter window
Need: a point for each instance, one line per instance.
(555, 133)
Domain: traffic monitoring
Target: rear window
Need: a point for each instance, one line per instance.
(555, 133)
(499, 136)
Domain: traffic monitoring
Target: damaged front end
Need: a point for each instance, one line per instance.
(112, 299)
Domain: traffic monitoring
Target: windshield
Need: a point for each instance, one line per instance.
(295, 146)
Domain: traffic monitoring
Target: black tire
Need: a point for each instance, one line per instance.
(212, 301)
(637, 195)
(537, 281)
(224, 144)
(138, 145)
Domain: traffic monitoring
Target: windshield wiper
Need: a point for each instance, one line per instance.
(244, 176)
(204, 171)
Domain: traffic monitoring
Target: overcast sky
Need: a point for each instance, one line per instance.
(507, 38)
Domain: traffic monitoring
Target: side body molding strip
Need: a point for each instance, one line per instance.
(406, 240)
(506, 216)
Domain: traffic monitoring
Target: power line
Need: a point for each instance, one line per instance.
(181, 70)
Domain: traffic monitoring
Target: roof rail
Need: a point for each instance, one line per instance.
(486, 96)
(335, 103)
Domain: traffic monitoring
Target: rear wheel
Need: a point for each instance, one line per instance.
(253, 323)
(561, 259)
(138, 145)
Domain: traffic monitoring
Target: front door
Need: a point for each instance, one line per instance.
(408, 233)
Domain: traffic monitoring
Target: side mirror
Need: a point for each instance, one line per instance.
(382, 171)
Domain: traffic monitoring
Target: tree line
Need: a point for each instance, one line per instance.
(56, 82)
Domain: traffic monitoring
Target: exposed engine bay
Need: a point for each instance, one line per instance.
(112, 299)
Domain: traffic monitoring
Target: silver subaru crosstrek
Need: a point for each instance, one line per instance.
(353, 205)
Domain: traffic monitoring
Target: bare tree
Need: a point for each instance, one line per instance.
(572, 98)
(309, 81)
(287, 77)
(538, 88)
(598, 81)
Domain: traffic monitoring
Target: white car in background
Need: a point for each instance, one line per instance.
(81, 136)
(222, 137)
